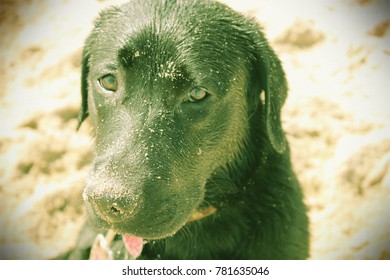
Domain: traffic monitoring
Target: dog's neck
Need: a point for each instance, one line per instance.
(259, 149)
(232, 181)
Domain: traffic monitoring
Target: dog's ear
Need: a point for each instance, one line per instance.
(274, 84)
(84, 88)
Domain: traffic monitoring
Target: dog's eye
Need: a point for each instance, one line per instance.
(108, 82)
(197, 94)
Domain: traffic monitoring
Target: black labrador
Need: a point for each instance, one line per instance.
(191, 159)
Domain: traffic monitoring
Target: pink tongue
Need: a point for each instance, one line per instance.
(133, 245)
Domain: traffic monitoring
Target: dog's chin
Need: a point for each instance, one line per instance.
(165, 228)
(155, 234)
(151, 229)
(164, 231)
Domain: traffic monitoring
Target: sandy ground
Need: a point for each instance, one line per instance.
(336, 55)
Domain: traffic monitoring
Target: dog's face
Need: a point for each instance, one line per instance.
(168, 87)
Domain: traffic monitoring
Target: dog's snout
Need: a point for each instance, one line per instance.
(111, 204)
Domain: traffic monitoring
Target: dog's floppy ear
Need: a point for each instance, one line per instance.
(274, 85)
(84, 88)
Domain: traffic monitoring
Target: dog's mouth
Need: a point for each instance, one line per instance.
(101, 247)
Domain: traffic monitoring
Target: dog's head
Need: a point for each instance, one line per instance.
(170, 87)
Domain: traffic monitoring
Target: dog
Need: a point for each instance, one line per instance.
(191, 160)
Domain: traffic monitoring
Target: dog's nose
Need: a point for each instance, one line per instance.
(118, 208)
(111, 205)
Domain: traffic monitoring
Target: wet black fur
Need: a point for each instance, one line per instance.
(228, 151)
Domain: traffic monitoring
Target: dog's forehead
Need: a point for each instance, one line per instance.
(196, 38)
(155, 57)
